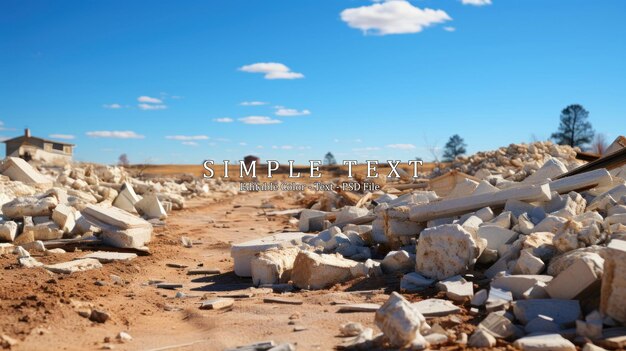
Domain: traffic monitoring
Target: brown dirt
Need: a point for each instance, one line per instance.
(40, 309)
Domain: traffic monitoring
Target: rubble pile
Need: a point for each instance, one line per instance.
(89, 203)
(517, 161)
(540, 261)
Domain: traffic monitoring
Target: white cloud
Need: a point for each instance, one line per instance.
(253, 103)
(282, 147)
(402, 146)
(190, 143)
(149, 100)
(272, 70)
(367, 148)
(259, 120)
(112, 106)
(187, 137)
(393, 17)
(151, 107)
(449, 29)
(116, 134)
(476, 2)
(287, 112)
(223, 120)
(62, 136)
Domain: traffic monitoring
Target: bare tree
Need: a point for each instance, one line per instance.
(432, 148)
(123, 160)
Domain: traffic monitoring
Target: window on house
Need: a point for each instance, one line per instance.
(57, 146)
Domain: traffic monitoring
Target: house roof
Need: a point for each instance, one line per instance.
(24, 138)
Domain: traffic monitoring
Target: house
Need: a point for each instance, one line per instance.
(29, 148)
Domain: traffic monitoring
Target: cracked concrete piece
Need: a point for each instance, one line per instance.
(445, 251)
(318, 271)
(561, 311)
(399, 320)
(83, 264)
(575, 281)
(29, 206)
(273, 266)
(544, 342)
(613, 292)
(243, 253)
(496, 236)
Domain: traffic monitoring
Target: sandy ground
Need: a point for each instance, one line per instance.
(40, 309)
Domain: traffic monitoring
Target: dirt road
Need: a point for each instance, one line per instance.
(40, 309)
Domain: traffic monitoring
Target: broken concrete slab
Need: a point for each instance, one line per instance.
(319, 271)
(217, 304)
(576, 281)
(544, 342)
(456, 288)
(451, 207)
(481, 339)
(496, 236)
(127, 198)
(542, 324)
(46, 231)
(613, 292)
(581, 181)
(83, 264)
(497, 325)
(399, 320)
(527, 263)
(19, 170)
(273, 266)
(64, 216)
(412, 282)
(519, 283)
(29, 206)
(358, 307)
(243, 253)
(305, 216)
(561, 311)
(445, 251)
(119, 228)
(150, 207)
(436, 307)
(108, 256)
(551, 169)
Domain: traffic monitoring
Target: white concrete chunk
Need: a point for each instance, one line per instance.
(415, 282)
(319, 271)
(151, 207)
(481, 339)
(445, 251)
(544, 342)
(29, 206)
(436, 307)
(518, 284)
(17, 169)
(243, 253)
(561, 311)
(527, 263)
(550, 170)
(127, 198)
(8, 231)
(573, 282)
(398, 261)
(399, 320)
(273, 266)
(613, 292)
(456, 288)
(64, 216)
(108, 256)
(496, 236)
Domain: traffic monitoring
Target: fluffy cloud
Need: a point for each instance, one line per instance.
(393, 17)
(190, 143)
(151, 107)
(223, 120)
(187, 137)
(149, 100)
(253, 103)
(402, 146)
(476, 2)
(116, 134)
(62, 136)
(449, 29)
(288, 112)
(259, 120)
(112, 106)
(272, 70)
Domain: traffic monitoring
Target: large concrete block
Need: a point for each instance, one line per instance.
(399, 320)
(127, 198)
(119, 228)
(17, 169)
(496, 236)
(544, 342)
(273, 266)
(8, 231)
(445, 251)
(561, 311)
(320, 271)
(29, 206)
(573, 282)
(613, 292)
(151, 207)
(243, 253)
(65, 217)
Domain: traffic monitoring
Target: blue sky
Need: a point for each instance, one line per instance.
(165, 81)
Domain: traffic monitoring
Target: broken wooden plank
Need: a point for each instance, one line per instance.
(457, 206)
